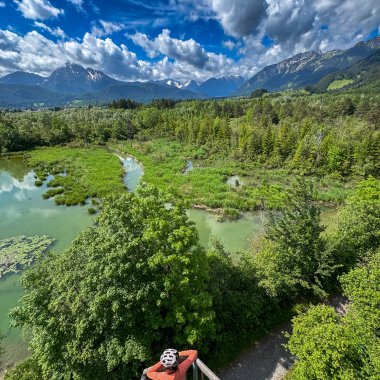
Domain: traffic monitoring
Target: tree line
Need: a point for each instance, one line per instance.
(319, 134)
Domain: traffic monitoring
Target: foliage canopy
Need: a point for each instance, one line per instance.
(330, 346)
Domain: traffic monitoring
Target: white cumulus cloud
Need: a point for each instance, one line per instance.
(78, 3)
(239, 17)
(57, 32)
(35, 53)
(106, 28)
(38, 9)
(260, 32)
(188, 51)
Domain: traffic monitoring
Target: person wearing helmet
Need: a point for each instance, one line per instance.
(173, 365)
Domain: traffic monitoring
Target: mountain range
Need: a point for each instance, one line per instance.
(365, 71)
(74, 84)
(307, 68)
(211, 88)
(216, 87)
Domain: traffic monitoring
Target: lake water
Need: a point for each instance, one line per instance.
(235, 181)
(23, 211)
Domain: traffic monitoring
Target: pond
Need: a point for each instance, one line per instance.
(188, 167)
(23, 211)
(234, 234)
(235, 181)
(133, 172)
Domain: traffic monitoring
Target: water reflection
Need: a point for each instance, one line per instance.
(8, 183)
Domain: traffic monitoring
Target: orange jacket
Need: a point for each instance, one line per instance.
(179, 373)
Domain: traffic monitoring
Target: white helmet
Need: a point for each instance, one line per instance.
(170, 358)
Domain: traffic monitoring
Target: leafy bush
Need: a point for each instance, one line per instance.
(231, 213)
(358, 224)
(332, 346)
(26, 370)
(242, 309)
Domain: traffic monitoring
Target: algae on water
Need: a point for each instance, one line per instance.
(19, 252)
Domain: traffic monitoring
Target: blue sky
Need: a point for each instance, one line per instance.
(179, 39)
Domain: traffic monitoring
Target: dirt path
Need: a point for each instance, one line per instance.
(266, 360)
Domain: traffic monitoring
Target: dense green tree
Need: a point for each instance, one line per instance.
(258, 93)
(127, 288)
(294, 260)
(331, 346)
(164, 103)
(358, 224)
(362, 287)
(124, 104)
(322, 345)
(1, 347)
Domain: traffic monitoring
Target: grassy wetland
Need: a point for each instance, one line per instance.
(79, 173)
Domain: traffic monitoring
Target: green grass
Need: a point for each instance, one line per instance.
(206, 184)
(89, 172)
(336, 84)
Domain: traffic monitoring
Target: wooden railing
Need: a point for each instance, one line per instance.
(200, 371)
(205, 372)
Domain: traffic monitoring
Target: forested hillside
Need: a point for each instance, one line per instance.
(308, 68)
(364, 72)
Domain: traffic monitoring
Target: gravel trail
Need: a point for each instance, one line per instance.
(266, 360)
